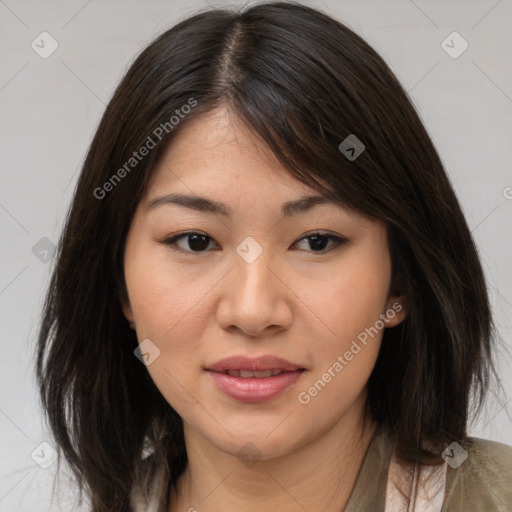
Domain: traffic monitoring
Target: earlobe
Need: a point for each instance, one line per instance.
(396, 311)
(128, 313)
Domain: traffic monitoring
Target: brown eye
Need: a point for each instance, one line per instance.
(194, 242)
(319, 241)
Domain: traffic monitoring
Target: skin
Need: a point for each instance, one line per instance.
(199, 306)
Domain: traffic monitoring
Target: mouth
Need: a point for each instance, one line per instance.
(256, 374)
(257, 367)
(254, 380)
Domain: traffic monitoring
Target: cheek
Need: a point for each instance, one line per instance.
(355, 299)
(165, 301)
(345, 355)
(166, 305)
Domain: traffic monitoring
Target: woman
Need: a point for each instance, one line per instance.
(267, 296)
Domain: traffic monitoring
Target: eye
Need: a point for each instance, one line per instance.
(198, 242)
(318, 241)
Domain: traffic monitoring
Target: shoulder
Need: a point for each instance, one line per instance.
(479, 477)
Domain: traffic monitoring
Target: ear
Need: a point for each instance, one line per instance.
(397, 305)
(127, 309)
(397, 309)
(128, 313)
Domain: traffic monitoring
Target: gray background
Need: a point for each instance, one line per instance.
(50, 109)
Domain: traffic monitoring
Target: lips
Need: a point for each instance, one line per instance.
(247, 374)
(254, 380)
(259, 367)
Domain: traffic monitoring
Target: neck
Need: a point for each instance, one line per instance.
(319, 475)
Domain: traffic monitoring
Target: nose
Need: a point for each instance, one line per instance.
(255, 298)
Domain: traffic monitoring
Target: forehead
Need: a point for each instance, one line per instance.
(216, 164)
(216, 150)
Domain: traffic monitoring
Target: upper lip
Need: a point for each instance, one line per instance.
(262, 363)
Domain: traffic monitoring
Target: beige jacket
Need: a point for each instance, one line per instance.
(482, 482)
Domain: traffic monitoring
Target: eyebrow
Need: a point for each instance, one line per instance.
(202, 204)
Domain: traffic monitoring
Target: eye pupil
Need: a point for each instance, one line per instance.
(195, 245)
(318, 242)
(193, 242)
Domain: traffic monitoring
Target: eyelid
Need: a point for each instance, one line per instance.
(336, 239)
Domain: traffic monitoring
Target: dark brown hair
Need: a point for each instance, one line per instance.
(302, 82)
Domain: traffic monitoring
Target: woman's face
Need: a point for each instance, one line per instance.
(250, 283)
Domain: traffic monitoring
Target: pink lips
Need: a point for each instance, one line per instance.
(254, 389)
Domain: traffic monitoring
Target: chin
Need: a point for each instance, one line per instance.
(265, 441)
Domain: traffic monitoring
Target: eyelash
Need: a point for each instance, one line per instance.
(338, 241)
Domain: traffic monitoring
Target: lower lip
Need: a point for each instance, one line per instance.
(252, 389)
